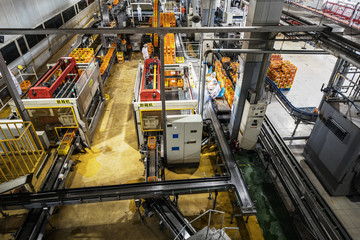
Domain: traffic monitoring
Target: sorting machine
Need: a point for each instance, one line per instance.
(179, 100)
(63, 99)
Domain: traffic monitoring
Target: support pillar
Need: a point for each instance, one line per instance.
(260, 13)
(4, 70)
(162, 94)
(207, 6)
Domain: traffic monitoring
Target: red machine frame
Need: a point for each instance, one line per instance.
(147, 95)
(67, 65)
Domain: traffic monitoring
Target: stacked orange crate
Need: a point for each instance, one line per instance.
(224, 82)
(225, 59)
(235, 67)
(82, 55)
(281, 72)
(107, 58)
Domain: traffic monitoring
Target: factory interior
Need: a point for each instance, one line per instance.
(180, 119)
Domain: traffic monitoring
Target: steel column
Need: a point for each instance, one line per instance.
(162, 93)
(12, 89)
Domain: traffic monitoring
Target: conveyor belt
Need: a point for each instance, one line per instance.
(37, 219)
(297, 113)
(172, 217)
(143, 190)
(112, 193)
(320, 220)
(247, 206)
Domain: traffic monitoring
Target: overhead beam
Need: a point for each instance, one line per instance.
(32, 31)
(112, 193)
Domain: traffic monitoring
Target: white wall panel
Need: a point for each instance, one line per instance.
(27, 13)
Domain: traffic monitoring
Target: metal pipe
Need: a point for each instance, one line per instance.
(257, 40)
(101, 15)
(202, 85)
(162, 93)
(296, 138)
(209, 13)
(354, 60)
(259, 29)
(338, 65)
(262, 51)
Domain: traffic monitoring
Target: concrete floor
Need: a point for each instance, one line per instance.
(313, 71)
(114, 159)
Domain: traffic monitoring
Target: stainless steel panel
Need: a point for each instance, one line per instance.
(89, 84)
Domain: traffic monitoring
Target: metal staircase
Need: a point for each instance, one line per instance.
(209, 233)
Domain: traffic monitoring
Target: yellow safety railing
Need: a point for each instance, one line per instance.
(20, 150)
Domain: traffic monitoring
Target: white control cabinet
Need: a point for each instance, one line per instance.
(183, 139)
(251, 123)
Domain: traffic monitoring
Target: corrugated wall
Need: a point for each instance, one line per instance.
(37, 13)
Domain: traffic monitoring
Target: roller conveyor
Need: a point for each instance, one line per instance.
(143, 190)
(37, 219)
(112, 193)
(172, 217)
(301, 114)
(318, 216)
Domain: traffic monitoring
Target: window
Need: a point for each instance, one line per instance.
(91, 1)
(22, 45)
(54, 22)
(32, 40)
(69, 13)
(10, 52)
(82, 5)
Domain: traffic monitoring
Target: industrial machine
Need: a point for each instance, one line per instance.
(152, 163)
(150, 88)
(57, 81)
(68, 100)
(114, 14)
(333, 148)
(179, 100)
(251, 122)
(183, 139)
(333, 151)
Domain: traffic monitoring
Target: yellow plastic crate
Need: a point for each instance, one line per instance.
(63, 148)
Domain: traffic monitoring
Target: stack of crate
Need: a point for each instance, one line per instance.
(225, 59)
(82, 55)
(120, 57)
(220, 73)
(150, 48)
(167, 19)
(107, 59)
(224, 82)
(169, 45)
(281, 72)
(173, 82)
(66, 141)
(235, 68)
